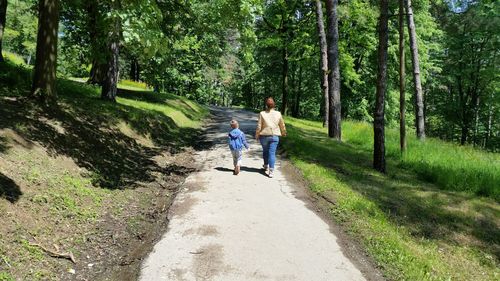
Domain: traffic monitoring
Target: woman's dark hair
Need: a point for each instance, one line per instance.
(270, 103)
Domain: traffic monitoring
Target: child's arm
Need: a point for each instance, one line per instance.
(244, 140)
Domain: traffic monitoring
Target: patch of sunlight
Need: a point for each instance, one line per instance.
(179, 118)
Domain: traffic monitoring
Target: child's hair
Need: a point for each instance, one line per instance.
(234, 124)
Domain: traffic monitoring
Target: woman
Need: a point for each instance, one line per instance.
(269, 129)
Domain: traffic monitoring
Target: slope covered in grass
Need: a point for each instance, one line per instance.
(89, 177)
(415, 221)
(450, 166)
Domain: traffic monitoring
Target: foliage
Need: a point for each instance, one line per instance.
(21, 28)
(463, 102)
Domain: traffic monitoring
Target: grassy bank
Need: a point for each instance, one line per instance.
(88, 177)
(419, 222)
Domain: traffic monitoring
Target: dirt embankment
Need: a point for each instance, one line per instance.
(64, 191)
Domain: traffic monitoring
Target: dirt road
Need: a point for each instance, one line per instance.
(245, 227)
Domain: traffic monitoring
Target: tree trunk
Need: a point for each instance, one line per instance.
(284, 97)
(419, 106)
(44, 78)
(323, 60)
(464, 133)
(476, 120)
(134, 70)
(490, 122)
(109, 87)
(464, 116)
(296, 108)
(3, 17)
(334, 117)
(97, 73)
(402, 109)
(378, 124)
(99, 65)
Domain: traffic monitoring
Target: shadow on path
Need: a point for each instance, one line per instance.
(243, 169)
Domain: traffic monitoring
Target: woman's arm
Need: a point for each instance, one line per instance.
(282, 126)
(259, 127)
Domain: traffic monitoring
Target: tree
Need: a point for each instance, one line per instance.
(44, 78)
(96, 33)
(135, 70)
(417, 84)
(110, 83)
(402, 123)
(334, 122)
(3, 18)
(323, 59)
(471, 78)
(378, 124)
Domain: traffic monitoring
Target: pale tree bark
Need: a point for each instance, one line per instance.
(402, 105)
(490, 123)
(3, 18)
(298, 94)
(334, 118)
(419, 99)
(323, 60)
(284, 96)
(44, 78)
(378, 124)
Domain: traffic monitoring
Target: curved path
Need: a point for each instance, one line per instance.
(245, 227)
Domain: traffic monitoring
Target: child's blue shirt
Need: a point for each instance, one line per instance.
(237, 140)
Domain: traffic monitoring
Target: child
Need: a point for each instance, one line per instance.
(236, 143)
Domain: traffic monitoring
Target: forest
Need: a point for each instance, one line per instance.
(392, 110)
(440, 64)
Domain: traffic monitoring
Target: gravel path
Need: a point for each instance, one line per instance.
(245, 227)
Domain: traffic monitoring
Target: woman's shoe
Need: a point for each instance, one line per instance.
(271, 173)
(237, 170)
(265, 167)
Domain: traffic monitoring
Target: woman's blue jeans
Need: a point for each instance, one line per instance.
(269, 146)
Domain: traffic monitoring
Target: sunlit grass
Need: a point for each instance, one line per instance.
(412, 225)
(180, 119)
(133, 85)
(450, 166)
(14, 58)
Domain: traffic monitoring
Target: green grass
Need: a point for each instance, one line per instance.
(14, 58)
(450, 166)
(114, 141)
(5, 276)
(413, 226)
(70, 168)
(133, 85)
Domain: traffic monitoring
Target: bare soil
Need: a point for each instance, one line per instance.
(53, 200)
